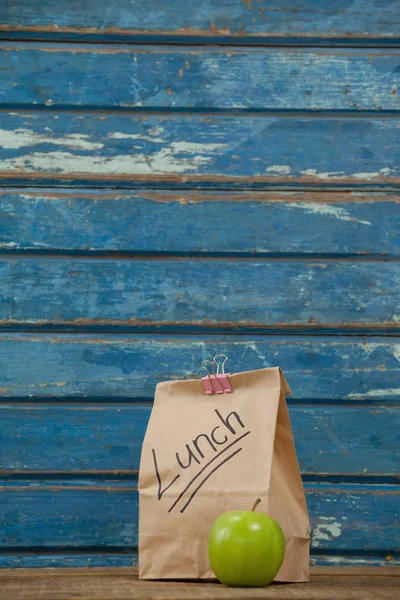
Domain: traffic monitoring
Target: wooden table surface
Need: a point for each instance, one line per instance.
(122, 583)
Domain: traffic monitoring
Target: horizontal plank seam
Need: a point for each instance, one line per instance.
(158, 329)
(167, 196)
(99, 254)
(137, 255)
(46, 550)
(159, 47)
(21, 550)
(26, 34)
(179, 338)
(89, 402)
(139, 338)
(134, 185)
(129, 484)
(15, 479)
(200, 112)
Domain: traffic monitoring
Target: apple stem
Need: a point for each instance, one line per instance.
(256, 503)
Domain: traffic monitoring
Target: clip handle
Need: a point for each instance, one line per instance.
(220, 365)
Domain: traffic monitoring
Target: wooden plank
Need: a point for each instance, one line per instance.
(108, 438)
(122, 584)
(110, 148)
(128, 366)
(198, 78)
(202, 293)
(337, 223)
(322, 561)
(87, 513)
(351, 571)
(229, 19)
(44, 559)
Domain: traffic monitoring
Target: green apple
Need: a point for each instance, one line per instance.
(246, 548)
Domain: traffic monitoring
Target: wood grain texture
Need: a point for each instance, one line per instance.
(88, 438)
(86, 513)
(45, 366)
(228, 19)
(122, 584)
(188, 149)
(207, 293)
(337, 223)
(198, 78)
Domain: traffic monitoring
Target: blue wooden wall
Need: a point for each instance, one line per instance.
(180, 179)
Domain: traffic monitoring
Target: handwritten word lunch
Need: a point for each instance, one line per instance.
(195, 452)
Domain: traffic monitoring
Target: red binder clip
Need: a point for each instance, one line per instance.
(216, 383)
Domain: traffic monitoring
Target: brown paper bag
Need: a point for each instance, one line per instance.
(204, 455)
